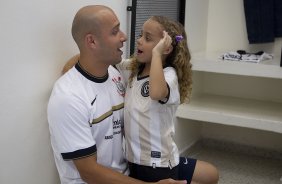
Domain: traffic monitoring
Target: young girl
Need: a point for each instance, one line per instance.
(159, 79)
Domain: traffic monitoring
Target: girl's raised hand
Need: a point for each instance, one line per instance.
(163, 45)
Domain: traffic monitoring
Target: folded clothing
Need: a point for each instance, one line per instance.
(242, 55)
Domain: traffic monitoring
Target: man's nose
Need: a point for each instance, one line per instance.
(123, 37)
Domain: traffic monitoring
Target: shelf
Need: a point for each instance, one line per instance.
(210, 62)
(234, 111)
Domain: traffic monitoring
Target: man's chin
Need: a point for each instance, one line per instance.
(117, 61)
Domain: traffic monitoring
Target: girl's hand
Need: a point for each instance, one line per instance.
(163, 45)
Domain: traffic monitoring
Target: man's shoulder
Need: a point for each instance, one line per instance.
(69, 84)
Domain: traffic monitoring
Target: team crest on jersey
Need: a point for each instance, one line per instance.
(119, 85)
(145, 89)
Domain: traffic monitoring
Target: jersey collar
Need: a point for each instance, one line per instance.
(89, 76)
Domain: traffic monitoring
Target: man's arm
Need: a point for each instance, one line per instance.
(94, 173)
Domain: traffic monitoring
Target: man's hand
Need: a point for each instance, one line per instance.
(70, 63)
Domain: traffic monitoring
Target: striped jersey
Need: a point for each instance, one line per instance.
(149, 125)
(85, 116)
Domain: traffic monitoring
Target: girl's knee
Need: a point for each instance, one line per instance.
(205, 173)
(213, 175)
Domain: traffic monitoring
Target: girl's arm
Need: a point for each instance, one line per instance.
(158, 88)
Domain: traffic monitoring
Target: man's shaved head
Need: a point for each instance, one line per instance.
(88, 21)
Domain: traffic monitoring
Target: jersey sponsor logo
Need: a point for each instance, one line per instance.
(155, 154)
(118, 132)
(119, 85)
(109, 136)
(116, 124)
(145, 89)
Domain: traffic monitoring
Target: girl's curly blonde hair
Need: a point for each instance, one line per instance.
(179, 58)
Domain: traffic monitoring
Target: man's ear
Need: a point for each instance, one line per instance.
(90, 40)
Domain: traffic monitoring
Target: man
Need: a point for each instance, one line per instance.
(85, 110)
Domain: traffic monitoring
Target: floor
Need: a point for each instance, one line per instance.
(242, 165)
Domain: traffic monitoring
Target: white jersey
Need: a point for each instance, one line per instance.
(149, 124)
(85, 117)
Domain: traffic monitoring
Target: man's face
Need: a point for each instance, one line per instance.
(111, 39)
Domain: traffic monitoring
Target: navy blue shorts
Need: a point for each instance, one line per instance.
(150, 174)
(186, 168)
(183, 171)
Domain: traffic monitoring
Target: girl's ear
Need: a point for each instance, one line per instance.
(169, 50)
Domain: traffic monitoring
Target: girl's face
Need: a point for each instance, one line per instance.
(151, 34)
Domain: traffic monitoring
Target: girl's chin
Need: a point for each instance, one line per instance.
(142, 59)
(138, 57)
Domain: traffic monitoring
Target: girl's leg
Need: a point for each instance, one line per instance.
(205, 173)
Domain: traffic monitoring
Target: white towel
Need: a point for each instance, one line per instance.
(247, 57)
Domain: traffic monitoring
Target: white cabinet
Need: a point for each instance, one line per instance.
(246, 107)
(243, 98)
